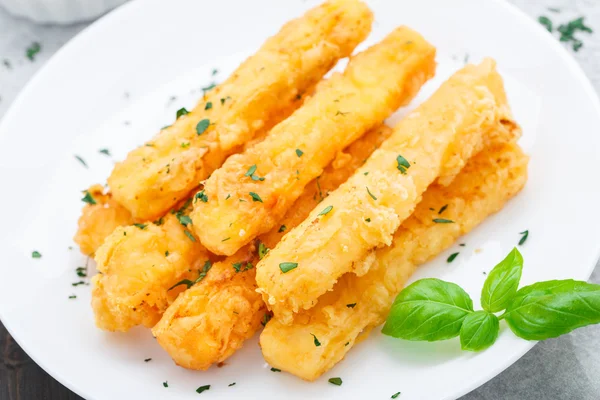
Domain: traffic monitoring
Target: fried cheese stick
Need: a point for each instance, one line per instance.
(434, 140)
(357, 304)
(253, 190)
(266, 87)
(211, 320)
(99, 219)
(137, 265)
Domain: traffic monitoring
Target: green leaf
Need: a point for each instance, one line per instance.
(479, 331)
(443, 221)
(502, 282)
(255, 197)
(181, 112)
(262, 250)
(325, 210)
(36, 254)
(403, 164)
(88, 198)
(287, 266)
(546, 22)
(429, 309)
(299, 152)
(336, 381)
(552, 308)
(202, 126)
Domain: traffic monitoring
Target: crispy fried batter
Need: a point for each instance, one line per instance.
(487, 182)
(241, 205)
(137, 265)
(210, 321)
(98, 220)
(261, 92)
(436, 139)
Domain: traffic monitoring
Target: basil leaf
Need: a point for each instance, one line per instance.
(429, 309)
(479, 331)
(502, 282)
(552, 308)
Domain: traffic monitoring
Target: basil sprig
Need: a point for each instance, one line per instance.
(431, 309)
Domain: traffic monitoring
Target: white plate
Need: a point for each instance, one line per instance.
(124, 68)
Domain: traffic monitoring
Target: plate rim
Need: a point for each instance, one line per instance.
(105, 20)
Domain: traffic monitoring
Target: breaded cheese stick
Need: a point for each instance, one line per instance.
(138, 264)
(98, 219)
(253, 190)
(263, 90)
(357, 304)
(363, 213)
(211, 320)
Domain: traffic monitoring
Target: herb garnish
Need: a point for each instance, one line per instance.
(536, 312)
(185, 145)
(202, 126)
(299, 152)
(147, 359)
(231, 384)
(205, 268)
(208, 105)
(189, 235)
(159, 221)
(326, 210)
(371, 194)
(452, 257)
(275, 369)
(184, 220)
(166, 384)
(282, 228)
(202, 196)
(226, 239)
(32, 50)
(202, 388)
(104, 151)
(250, 173)
(255, 197)
(443, 209)
(351, 305)
(368, 219)
(81, 160)
(546, 22)
(238, 266)
(78, 283)
(262, 250)
(524, 237)
(181, 112)
(72, 296)
(88, 198)
(567, 31)
(403, 164)
(442, 221)
(336, 381)
(287, 266)
(395, 395)
(315, 340)
(81, 272)
(266, 319)
(141, 226)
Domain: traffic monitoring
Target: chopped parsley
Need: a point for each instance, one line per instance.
(262, 250)
(181, 112)
(208, 105)
(104, 151)
(88, 198)
(33, 49)
(159, 221)
(326, 210)
(351, 305)
(282, 228)
(81, 272)
(224, 99)
(228, 196)
(403, 164)
(336, 381)
(567, 31)
(78, 283)
(255, 197)
(395, 395)
(299, 152)
(442, 221)
(546, 22)
(226, 239)
(147, 359)
(452, 257)
(368, 219)
(214, 72)
(209, 87)
(72, 296)
(207, 266)
(238, 266)
(184, 220)
(250, 173)
(141, 226)
(166, 384)
(189, 235)
(266, 319)
(202, 196)
(524, 237)
(371, 194)
(81, 160)
(185, 145)
(202, 126)
(275, 369)
(287, 266)
(315, 340)
(167, 253)
(202, 388)
(231, 384)
(443, 208)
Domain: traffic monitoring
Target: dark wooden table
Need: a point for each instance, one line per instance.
(18, 372)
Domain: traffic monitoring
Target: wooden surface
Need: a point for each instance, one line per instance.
(557, 369)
